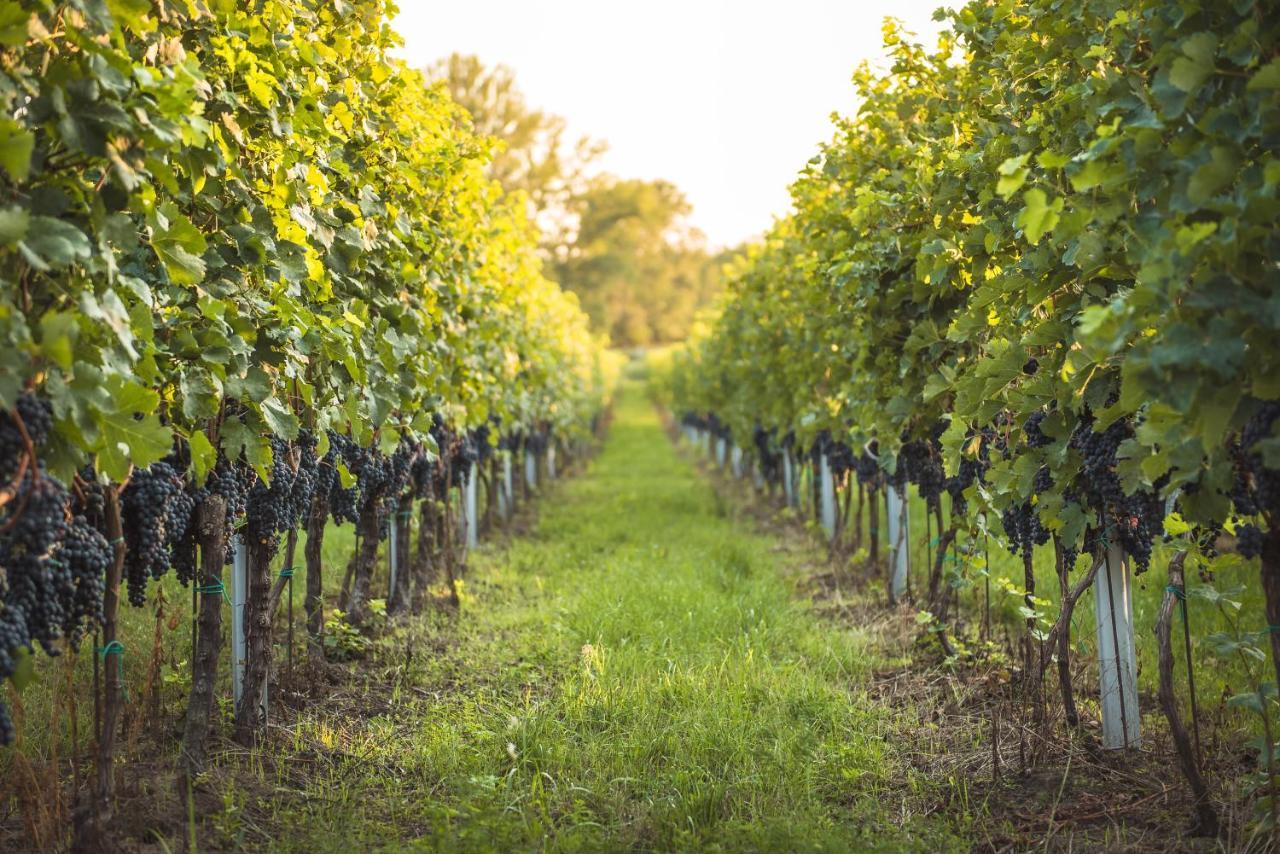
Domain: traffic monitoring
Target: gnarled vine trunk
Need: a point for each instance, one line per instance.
(361, 566)
(314, 603)
(210, 525)
(251, 712)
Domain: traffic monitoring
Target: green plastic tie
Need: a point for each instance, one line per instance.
(1273, 629)
(217, 588)
(287, 572)
(113, 648)
(117, 541)
(1176, 591)
(117, 649)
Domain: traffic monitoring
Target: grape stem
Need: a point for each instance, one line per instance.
(12, 489)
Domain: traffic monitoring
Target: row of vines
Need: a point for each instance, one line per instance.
(1037, 277)
(253, 279)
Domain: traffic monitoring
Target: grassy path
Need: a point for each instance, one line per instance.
(635, 672)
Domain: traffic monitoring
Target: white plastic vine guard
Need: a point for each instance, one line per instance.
(469, 492)
(788, 478)
(393, 546)
(899, 535)
(1117, 652)
(507, 494)
(530, 470)
(828, 492)
(239, 587)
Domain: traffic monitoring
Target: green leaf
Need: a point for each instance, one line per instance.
(279, 419)
(1188, 75)
(200, 393)
(16, 145)
(1189, 71)
(1201, 47)
(131, 430)
(1213, 176)
(51, 244)
(14, 222)
(1093, 173)
(1039, 216)
(1175, 525)
(1252, 701)
(204, 456)
(13, 23)
(178, 244)
(1266, 78)
(1013, 174)
(132, 14)
(1052, 160)
(1189, 235)
(58, 334)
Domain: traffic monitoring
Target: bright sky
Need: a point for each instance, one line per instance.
(725, 98)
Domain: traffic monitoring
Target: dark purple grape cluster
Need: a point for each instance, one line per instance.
(91, 496)
(922, 459)
(278, 505)
(422, 475)
(1022, 528)
(841, 459)
(766, 453)
(373, 476)
(484, 450)
(402, 462)
(1256, 488)
(52, 568)
(1140, 522)
(344, 502)
(973, 467)
(1249, 540)
(230, 482)
(1042, 481)
(1031, 430)
(867, 467)
(465, 454)
(37, 418)
(1098, 481)
(819, 447)
(717, 428)
(538, 441)
(156, 510)
(86, 555)
(306, 477)
(513, 441)
(1134, 519)
(39, 585)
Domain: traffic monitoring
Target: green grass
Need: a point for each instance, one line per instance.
(635, 673)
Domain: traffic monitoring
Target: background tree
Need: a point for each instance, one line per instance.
(534, 157)
(623, 246)
(640, 271)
